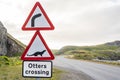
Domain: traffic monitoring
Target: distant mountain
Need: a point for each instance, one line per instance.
(9, 45)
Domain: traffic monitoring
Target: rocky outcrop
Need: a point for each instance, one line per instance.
(3, 38)
(9, 45)
(14, 47)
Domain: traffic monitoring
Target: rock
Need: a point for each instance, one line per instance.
(9, 46)
(3, 38)
(14, 47)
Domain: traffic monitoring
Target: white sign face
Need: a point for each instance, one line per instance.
(37, 19)
(40, 20)
(37, 47)
(37, 69)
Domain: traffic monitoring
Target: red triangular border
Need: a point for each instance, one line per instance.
(37, 58)
(45, 15)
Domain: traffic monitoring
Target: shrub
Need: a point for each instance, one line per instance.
(85, 56)
(4, 60)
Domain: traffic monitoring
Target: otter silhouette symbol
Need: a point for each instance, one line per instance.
(37, 53)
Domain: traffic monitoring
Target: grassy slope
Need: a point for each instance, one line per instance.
(103, 51)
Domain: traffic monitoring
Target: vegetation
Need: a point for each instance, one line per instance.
(107, 62)
(9, 61)
(101, 52)
(11, 69)
(54, 51)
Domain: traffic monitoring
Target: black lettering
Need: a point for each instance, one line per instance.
(29, 71)
(36, 66)
(47, 72)
(30, 65)
(43, 72)
(26, 72)
(32, 72)
(45, 66)
(39, 66)
(36, 72)
(33, 65)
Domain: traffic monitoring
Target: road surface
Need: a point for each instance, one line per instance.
(94, 70)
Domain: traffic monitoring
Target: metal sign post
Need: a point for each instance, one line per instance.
(37, 78)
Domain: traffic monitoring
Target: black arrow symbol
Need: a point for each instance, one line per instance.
(33, 19)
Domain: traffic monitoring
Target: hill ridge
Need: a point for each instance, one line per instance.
(9, 46)
(106, 51)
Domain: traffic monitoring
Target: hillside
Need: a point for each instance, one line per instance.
(14, 46)
(9, 46)
(107, 51)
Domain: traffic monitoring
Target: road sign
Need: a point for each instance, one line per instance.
(37, 19)
(37, 49)
(37, 69)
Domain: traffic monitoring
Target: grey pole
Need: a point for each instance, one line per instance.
(37, 78)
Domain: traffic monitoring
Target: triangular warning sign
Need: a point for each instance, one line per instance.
(37, 49)
(37, 19)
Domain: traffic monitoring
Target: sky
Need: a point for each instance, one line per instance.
(76, 22)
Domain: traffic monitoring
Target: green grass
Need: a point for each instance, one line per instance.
(11, 73)
(11, 69)
(102, 52)
(56, 75)
(15, 73)
(54, 51)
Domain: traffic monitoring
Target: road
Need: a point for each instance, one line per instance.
(94, 70)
